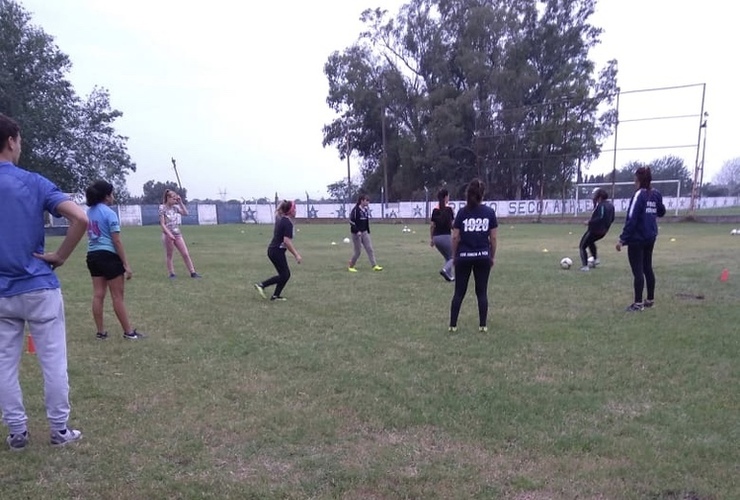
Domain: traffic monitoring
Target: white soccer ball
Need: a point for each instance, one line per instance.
(346, 240)
(566, 262)
(733, 232)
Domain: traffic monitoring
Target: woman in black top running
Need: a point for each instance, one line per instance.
(282, 241)
(440, 230)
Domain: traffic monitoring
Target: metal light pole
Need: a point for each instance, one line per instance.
(349, 181)
(703, 153)
(385, 158)
(614, 159)
(697, 168)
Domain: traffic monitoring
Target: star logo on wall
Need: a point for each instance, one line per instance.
(250, 214)
(417, 211)
(342, 212)
(313, 213)
(391, 215)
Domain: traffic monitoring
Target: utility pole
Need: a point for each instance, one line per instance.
(174, 165)
(349, 180)
(385, 158)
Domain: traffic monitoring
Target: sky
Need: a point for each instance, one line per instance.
(235, 91)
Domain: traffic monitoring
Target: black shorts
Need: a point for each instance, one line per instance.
(104, 263)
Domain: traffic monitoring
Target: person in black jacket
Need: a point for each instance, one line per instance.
(599, 224)
(282, 241)
(639, 234)
(440, 232)
(359, 226)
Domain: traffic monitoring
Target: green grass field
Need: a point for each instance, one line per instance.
(353, 389)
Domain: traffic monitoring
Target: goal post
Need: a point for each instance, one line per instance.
(589, 186)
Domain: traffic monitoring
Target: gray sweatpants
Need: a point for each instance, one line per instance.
(43, 310)
(443, 243)
(359, 240)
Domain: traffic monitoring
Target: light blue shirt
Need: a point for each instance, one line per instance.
(24, 197)
(102, 223)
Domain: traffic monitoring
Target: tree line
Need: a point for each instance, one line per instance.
(444, 91)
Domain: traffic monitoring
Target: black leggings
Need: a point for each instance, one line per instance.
(481, 270)
(588, 240)
(278, 258)
(640, 256)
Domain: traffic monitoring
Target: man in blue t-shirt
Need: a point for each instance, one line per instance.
(473, 250)
(30, 291)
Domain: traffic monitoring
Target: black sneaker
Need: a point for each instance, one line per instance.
(278, 298)
(195, 275)
(134, 335)
(636, 306)
(445, 275)
(101, 335)
(17, 442)
(648, 304)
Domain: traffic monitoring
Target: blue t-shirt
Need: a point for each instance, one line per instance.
(475, 226)
(102, 223)
(24, 197)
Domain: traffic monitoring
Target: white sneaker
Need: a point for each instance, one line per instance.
(596, 262)
(585, 268)
(61, 438)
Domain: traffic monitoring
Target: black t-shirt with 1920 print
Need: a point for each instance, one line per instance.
(475, 225)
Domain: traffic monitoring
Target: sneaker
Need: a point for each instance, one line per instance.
(452, 329)
(61, 438)
(134, 335)
(101, 335)
(648, 304)
(352, 269)
(17, 442)
(596, 262)
(585, 268)
(635, 306)
(260, 290)
(445, 275)
(278, 298)
(377, 268)
(195, 275)
(483, 329)
(172, 276)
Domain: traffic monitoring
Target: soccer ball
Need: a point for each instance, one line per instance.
(591, 261)
(566, 262)
(733, 232)
(346, 240)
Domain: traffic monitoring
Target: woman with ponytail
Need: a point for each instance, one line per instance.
(440, 230)
(282, 241)
(639, 235)
(473, 250)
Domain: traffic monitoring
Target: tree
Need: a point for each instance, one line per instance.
(729, 177)
(154, 192)
(448, 90)
(338, 191)
(69, 140)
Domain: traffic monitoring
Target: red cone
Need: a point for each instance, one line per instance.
(31, 346)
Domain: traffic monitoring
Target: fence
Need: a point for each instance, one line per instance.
(233, 213)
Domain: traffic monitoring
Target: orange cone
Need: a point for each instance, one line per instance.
(725, 275)
(31, 346)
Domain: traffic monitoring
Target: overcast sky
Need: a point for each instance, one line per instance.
(235, 91)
